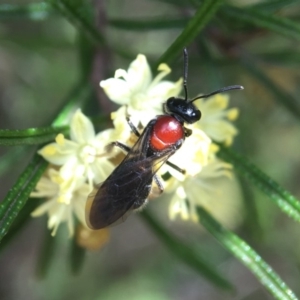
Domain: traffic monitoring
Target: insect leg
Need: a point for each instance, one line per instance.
(182, 171)
(132, 127)
(154, 193)
(187, 132)
(117, 144)
(159, 184)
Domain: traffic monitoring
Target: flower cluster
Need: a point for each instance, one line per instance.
(144, 96)
(82, 161)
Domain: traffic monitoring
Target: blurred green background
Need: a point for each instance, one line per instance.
(44, 57)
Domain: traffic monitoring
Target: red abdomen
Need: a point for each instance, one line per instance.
(166, 132)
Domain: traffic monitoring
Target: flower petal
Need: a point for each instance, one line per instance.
(43, 208)
(57, 215)
(72, 168)
(139, 74)
(143, 116)
(58, 154)
(121, 131)
(192, 156)
(162, 91)
(44, 188)
(104, 138)
(79, 209)
(221, 197)
(178, 205)
(117, 90)
(164, 71)
(220, 130)
(81, 128)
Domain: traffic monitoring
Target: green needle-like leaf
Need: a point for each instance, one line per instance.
(242, 251)
(264, 20)
(34, 136)
(283, 199)
(32, 11)
(31, 136)
(185, 253)
(79, 15)
(18, 195)
(202, 16)
(148, 24)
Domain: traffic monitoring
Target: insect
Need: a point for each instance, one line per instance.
(129, 185)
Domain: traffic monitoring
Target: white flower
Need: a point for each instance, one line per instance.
(122, 130)
(142, 94)
(142, 99)
(84, 155)
(65, 198)
(214, 189)
(192, 155)
(215, 119)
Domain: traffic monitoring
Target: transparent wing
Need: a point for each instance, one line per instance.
(139, 150)
(126, 188)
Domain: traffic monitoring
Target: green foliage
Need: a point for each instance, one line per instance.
(185, 253)
(285, 201)
(247, 256)
(80, 15)
(16, 198)
(30, 136)
(234, 41)
(264, 20)
(202, 16)
(34, 11)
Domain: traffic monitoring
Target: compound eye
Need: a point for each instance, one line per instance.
(170, 105)
(196, 116)
(193, 115)
(170, 100)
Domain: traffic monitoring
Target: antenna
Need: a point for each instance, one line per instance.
(185, 72)
(224, 89)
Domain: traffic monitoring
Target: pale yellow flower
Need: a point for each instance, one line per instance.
(214, 189)
(142, 99)
(191, 157)
(122, 130)
(142, 94)
(65, 198)
(84, 155)
(216, 118)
